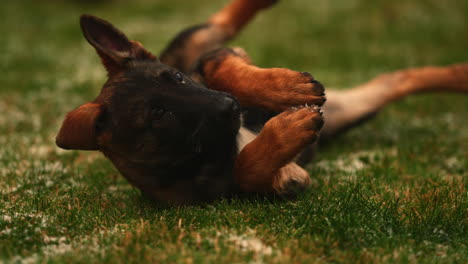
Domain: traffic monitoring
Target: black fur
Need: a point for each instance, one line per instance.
(176, 129)
(174, 52)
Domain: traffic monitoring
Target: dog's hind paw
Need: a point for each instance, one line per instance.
(291, 180)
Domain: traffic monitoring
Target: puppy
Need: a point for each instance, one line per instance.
(202, 121)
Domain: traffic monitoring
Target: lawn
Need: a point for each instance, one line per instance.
(392, 190)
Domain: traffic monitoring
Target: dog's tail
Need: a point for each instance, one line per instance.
(348, 108)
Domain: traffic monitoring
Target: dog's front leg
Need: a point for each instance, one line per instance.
(274, 89)
(266, 164)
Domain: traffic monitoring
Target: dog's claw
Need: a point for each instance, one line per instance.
(319, 87)
(307, 75)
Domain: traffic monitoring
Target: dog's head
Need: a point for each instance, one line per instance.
(148, 114)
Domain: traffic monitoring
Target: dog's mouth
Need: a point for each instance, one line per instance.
(211, 132)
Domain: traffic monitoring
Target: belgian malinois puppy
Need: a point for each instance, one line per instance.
(202, 121)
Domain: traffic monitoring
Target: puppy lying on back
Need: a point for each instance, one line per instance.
(174, 126)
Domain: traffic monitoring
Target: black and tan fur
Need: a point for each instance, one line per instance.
(173, 126)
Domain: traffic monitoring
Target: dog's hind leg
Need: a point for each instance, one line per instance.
(184, 50)
(347, 108)
(233, 17)
(266, 163)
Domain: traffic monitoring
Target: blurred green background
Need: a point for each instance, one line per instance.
(390, 191)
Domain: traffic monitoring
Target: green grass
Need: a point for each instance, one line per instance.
(393, 190)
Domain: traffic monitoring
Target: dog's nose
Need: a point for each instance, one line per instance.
(227, 107)
(226, 112)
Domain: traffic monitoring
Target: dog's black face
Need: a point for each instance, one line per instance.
(164, 132)
(160, 117)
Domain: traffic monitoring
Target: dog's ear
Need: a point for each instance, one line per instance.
(111, 44)
(79, 129)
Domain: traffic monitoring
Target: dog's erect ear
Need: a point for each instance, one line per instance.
(78, 130)
(111, 44)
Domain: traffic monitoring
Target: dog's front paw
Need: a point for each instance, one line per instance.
(265, 164)
(292, 130)
(284, 88)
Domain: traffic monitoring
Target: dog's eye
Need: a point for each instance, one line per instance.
(179, 77)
